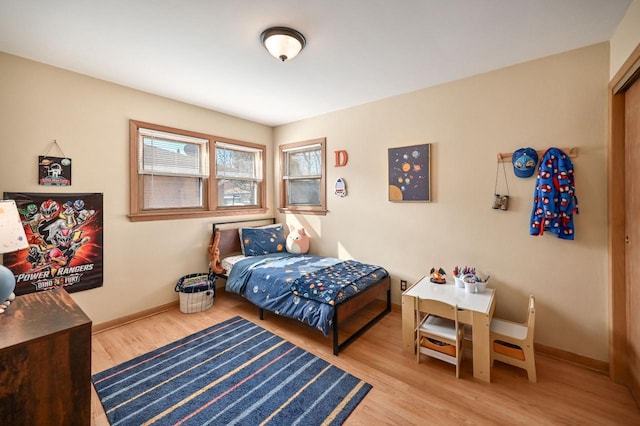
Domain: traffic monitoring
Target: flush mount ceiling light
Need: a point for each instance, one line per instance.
(282, 42)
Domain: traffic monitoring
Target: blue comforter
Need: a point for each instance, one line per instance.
(303, 287)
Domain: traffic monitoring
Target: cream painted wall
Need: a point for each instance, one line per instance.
(557, 101)
(626, 38)
(89, 119)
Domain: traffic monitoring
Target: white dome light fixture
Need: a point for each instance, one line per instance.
(282, 42)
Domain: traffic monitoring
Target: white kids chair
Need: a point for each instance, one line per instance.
(438, 334)
(512, 342)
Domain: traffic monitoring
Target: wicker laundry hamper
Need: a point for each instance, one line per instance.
(197, 292)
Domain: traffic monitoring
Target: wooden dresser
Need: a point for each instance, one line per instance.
(45, 361)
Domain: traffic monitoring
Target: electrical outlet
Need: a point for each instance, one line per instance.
(403, 285)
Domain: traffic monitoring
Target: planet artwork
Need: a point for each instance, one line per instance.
(409, 173)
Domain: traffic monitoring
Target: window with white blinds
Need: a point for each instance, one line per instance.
(174, 168)
(302, 180)
(178, 173)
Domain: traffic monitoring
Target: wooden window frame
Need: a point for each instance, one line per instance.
(284, 207)
(262, 189)
(210, 194)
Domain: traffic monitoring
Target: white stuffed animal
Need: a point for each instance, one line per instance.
(297, 241)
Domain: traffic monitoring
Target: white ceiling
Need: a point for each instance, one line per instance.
(208, 52)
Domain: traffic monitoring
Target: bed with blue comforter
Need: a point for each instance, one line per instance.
(304, 287)
(315, 290)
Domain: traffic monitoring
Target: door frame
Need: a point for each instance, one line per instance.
(624, 78)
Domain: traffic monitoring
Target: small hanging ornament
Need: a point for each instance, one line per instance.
(340, 188)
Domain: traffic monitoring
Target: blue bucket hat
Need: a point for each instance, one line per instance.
(524, 162)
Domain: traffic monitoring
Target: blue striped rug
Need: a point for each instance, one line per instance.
(231, 373)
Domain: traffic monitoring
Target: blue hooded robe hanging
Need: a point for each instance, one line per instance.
(554, 199)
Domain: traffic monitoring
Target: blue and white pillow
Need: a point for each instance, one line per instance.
(240, 230)
(259, 241)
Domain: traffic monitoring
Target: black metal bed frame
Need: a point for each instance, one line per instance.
(337, 346)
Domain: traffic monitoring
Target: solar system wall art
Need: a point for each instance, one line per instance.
(410, 173)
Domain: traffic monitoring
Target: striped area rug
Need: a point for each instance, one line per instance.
(231, 373)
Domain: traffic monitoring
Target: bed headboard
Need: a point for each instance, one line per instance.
(227, 234)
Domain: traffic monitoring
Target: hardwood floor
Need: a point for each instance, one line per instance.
(404, 392)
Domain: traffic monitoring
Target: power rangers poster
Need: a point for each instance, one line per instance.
(65, 242)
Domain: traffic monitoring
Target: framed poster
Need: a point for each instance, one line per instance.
(65, 242)
(54, 171)
(410, 173)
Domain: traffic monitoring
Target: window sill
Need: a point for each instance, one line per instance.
(302, 211)
(147, 216)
